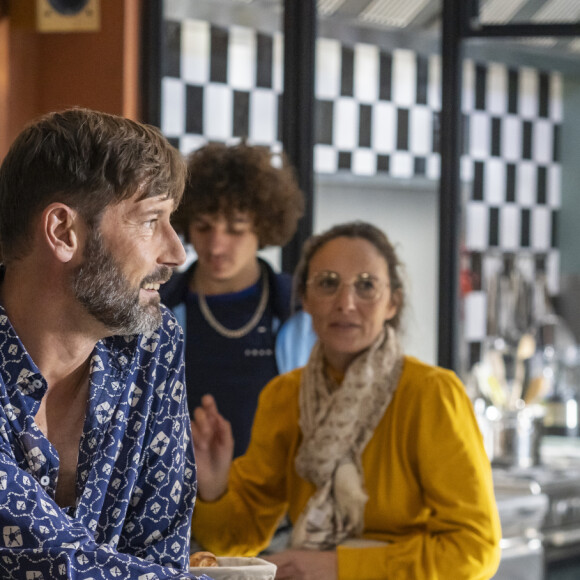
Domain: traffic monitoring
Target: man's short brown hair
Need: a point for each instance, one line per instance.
(86, 159)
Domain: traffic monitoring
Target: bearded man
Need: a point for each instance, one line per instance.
(97, 474)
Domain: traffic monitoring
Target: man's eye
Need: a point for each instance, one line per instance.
(150, 224)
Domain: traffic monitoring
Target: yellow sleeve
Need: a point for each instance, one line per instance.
(243, 520)
(438, 481)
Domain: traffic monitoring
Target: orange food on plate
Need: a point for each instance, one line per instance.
(203, 560)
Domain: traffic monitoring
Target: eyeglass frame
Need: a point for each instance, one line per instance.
(383, 284)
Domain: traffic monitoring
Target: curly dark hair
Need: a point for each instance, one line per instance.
(225, 179)
(366, 231)
(86, 159)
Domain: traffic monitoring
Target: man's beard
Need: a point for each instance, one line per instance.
(100, 285)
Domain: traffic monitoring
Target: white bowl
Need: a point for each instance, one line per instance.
(237, 569)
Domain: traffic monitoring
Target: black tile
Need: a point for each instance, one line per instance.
(174, 142)
(541, 185)
(554, 234)
(478, 173)
(403, 129)
(420, 168)
(324, 122)
(525, 228)
(465, 134)
(436, 143)
(171, 60)
(365, 125)
(422, 80)
(527, 134)
(383, 163)
(241, 125)
(265, 59)
(510, 186)
(480, 86)
(218, 67)
(513, 90)
(344, 160)
(474, 353)
(385, 76)
(347, 72)
(279, 116)
(493, 239)
(476, 266)
(194, 98)
(496, 137)
(544, 95)
(556, 144)
(540, 262)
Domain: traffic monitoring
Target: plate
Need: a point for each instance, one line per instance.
(238, 569)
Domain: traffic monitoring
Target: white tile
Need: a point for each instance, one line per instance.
(189, 143)
(494, 181)
(541, 227)
(404, 77)
(468, 90)
(328, 61)
(421, 130)
(542, 141)
(263, 116)
(401, 164)
(434, 166)
(526, 183)
(555, 185)
(476, 226)
(479, 134)
(366, 72)
(474, 328)
(434, 86)
(218, 111)
(325, 159)
(553, 272)
(496, 98)
(172, 107)
(278, 62)
(511, 138)
(345, 129)
(383, 127)
(556, 97)
(466, 169)
(364, 162)
(509, 227)
(242, 58)
(195, 51)
(528, 93)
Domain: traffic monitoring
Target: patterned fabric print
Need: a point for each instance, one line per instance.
(136, 473)
(337, 423)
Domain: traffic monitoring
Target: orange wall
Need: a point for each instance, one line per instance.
(51, 71)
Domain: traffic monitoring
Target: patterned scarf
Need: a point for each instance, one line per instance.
(337, 422)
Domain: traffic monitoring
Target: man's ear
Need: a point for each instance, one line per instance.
(60, 224)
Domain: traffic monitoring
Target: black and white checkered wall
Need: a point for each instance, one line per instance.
(377, 113)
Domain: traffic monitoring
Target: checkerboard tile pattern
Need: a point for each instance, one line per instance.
(377, 113)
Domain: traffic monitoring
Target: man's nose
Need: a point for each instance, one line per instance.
(174, 254)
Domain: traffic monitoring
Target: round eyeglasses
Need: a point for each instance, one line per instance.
(367, 288)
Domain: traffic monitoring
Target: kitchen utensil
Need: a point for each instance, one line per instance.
(537, 389)
(526, 349)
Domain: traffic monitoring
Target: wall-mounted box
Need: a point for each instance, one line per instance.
(56, 15)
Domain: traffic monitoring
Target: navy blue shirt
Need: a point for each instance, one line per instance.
(136, 473)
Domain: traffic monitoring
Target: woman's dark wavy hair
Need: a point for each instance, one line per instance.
(365, 231)
(87, 160)
(225, 179)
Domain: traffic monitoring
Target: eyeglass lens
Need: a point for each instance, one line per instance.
(326, 284)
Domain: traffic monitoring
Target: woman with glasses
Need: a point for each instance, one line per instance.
(376, 456)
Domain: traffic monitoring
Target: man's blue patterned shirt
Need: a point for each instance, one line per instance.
(136, 472)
